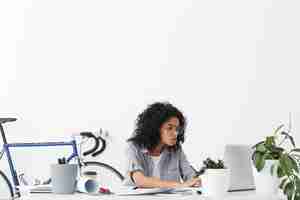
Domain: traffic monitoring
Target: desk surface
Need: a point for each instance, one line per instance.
(230, 196)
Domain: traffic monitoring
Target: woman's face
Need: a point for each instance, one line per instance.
(168, 132)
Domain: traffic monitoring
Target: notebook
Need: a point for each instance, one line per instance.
(41, 189)
(126, 191)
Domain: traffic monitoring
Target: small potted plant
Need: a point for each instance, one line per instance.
(215, 178)
(276, 165)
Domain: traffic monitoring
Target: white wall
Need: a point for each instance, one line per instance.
(231, 66)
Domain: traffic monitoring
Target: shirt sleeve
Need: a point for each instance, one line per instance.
(186, 170)
(133, 164)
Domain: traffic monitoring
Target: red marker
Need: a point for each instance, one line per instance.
(104, 190)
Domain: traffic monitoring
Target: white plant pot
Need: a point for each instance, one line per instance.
(216, 182)
(265, 183)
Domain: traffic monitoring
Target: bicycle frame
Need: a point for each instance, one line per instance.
(7, 146)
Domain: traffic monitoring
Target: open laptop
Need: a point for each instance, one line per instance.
(238, 160)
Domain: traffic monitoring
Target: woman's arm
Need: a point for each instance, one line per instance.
(186, 170)
(143, 181)
(149, 182)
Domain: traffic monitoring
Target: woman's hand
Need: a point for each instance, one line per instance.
(194, 182)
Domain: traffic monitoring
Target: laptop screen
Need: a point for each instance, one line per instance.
(238, 160)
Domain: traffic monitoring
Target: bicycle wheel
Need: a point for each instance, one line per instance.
(107, 176)
(6, 190)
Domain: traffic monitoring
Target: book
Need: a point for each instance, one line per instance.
(41, 189)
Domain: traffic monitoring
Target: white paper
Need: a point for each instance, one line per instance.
(37, 188)
(145, 191)
(142, 191)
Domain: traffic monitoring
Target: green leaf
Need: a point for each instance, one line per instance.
(286, 164)
(276, 152)
(289, 137)
(293, 163)
(280, 172)
(278, 129)
(285, 134)
(270, 141)
(261, 148)
(298, 185)
(259, 161)
(270, 156)
(297, 196)
(283, 182)
(295, 156)
(296, 149)
(290, 196)
(292, 141)
(288, 189)
(277, 149)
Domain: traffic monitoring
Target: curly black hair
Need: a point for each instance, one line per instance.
(149, 122)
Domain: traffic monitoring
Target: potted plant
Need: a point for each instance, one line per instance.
(276, 165)
(215, 178)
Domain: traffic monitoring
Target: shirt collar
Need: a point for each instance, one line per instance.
(144, 151)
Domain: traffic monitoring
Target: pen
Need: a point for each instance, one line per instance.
(199, 192)
(62, 161)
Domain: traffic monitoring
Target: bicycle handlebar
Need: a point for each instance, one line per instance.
(103, 146)
(95, 147)
(97, 141)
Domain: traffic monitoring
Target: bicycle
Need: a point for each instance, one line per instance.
(10, 189)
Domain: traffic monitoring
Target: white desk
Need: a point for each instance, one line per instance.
(230, 196)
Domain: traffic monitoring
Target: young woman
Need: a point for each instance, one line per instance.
(154, 154)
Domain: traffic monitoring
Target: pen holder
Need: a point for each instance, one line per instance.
(63, 178)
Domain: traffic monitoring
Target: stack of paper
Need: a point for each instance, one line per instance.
(141, 191)
(41, 189)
